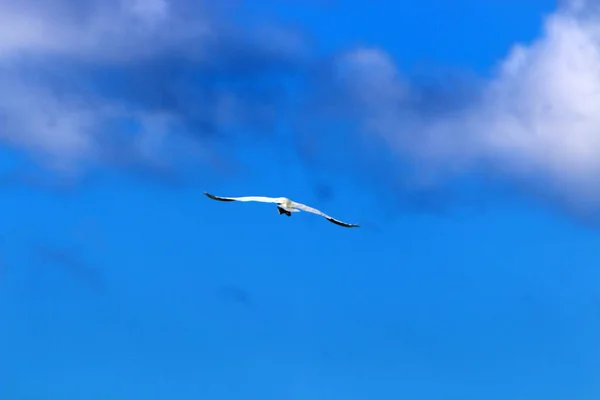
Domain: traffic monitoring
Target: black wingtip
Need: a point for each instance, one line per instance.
(345, 225)
(212, 196)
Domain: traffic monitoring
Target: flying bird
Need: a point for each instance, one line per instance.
(284, 206)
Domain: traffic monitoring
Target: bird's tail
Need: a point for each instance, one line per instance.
(282, 211)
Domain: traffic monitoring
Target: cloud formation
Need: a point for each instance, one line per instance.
(535, 123)
(132, 82)
(154, 84)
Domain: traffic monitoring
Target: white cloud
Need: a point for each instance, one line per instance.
(536, 121)
(115, 30)
(59, 61)
(61, 125)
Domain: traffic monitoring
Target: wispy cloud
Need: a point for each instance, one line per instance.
(72, 263)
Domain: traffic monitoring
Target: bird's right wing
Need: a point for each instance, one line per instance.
(246, 198)
(309, 209)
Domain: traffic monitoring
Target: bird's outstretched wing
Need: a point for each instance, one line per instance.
(246, 198)
(304, 207)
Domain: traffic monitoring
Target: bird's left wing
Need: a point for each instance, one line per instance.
(306, 208)
(245, 198)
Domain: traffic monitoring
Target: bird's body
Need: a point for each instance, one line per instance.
(284, 206)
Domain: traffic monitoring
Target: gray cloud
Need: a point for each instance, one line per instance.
(129, 82)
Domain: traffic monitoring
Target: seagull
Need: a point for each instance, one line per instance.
(284, 206)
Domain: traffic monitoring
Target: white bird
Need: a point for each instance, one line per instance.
(285, 206)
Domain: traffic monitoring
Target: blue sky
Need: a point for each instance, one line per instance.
(462, 137)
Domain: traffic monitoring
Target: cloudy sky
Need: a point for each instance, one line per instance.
(463, 137)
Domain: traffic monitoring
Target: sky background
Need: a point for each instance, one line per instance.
(463, 136)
